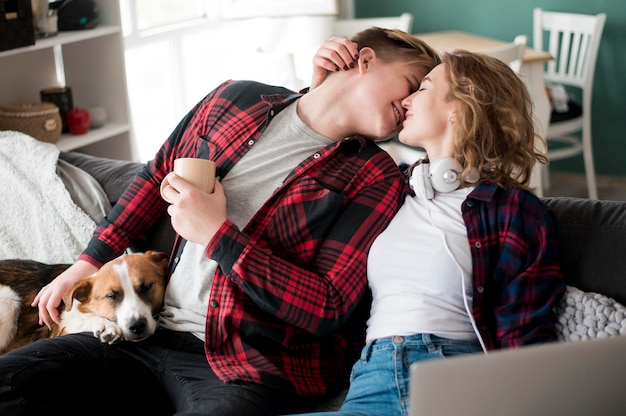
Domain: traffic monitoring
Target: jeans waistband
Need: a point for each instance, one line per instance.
(420, 339)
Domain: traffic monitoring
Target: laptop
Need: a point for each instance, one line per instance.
(563, 378)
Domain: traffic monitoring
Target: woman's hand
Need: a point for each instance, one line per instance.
(333, 55)
(196, 215)
(49, 297)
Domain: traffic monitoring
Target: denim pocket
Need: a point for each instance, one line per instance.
(460, 348)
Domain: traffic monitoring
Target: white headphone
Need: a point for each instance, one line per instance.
(443, 175)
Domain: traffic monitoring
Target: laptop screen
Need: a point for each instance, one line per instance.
(586, 378)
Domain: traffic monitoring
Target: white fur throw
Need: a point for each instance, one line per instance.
(585, 315)
(38, 218)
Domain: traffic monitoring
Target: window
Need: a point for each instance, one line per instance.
(154, 13)
(257, 8)
(164, 50)
(178, 51)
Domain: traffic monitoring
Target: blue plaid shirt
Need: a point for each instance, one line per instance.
(517, 279)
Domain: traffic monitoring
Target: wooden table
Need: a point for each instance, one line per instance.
(531, 72)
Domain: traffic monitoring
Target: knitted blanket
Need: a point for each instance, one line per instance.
(38, 218)
(585, 315)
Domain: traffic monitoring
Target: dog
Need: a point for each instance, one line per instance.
(120, 302)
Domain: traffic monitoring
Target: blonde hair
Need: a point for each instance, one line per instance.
(494, 129)
(392, 45)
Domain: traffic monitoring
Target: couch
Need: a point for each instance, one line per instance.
(592, 239)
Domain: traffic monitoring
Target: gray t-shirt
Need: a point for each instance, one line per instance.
(285, 143)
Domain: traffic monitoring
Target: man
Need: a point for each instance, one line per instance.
(260, 308)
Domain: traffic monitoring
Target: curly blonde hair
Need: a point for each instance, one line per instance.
(494, 130)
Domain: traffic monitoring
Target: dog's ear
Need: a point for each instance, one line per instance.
(158, 257)
(80, 291)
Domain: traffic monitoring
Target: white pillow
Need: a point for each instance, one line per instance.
(585, 315)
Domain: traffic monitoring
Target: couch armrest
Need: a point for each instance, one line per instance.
(114, 176)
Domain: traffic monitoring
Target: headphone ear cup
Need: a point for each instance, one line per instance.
(445, 174)
(419, 180)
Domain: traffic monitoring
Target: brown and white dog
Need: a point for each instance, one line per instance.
(119, 302)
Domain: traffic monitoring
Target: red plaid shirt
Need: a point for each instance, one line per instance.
(284, 297)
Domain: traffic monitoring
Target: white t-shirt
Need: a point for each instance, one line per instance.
(419, 270)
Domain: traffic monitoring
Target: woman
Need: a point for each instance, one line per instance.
(470, 261)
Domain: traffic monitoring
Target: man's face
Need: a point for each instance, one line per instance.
(381, 91)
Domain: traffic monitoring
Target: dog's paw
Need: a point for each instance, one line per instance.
(108, 332)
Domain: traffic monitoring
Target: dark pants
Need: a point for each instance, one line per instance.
(164, 375)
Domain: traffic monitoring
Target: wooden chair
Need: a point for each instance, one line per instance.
(512, 53)
(573, 40)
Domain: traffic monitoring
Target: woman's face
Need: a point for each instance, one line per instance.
(430, 115)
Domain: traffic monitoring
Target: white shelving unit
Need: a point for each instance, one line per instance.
(91, 62)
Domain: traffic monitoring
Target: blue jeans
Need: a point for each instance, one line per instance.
(379, 383)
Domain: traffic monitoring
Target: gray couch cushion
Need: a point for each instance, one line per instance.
(593, 244)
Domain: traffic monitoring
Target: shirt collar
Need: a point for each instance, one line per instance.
(484, 191)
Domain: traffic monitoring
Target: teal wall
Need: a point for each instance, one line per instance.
(504, 19)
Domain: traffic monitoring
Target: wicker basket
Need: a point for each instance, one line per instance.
(39, 120)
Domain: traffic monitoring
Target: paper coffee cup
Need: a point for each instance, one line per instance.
(198, 172)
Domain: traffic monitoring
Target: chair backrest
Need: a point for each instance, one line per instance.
(511, 53)
(573, 41)
(348, 27)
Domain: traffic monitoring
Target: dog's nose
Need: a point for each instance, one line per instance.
(138, 326)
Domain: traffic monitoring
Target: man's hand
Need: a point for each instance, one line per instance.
(49, 297)
(196, 215)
